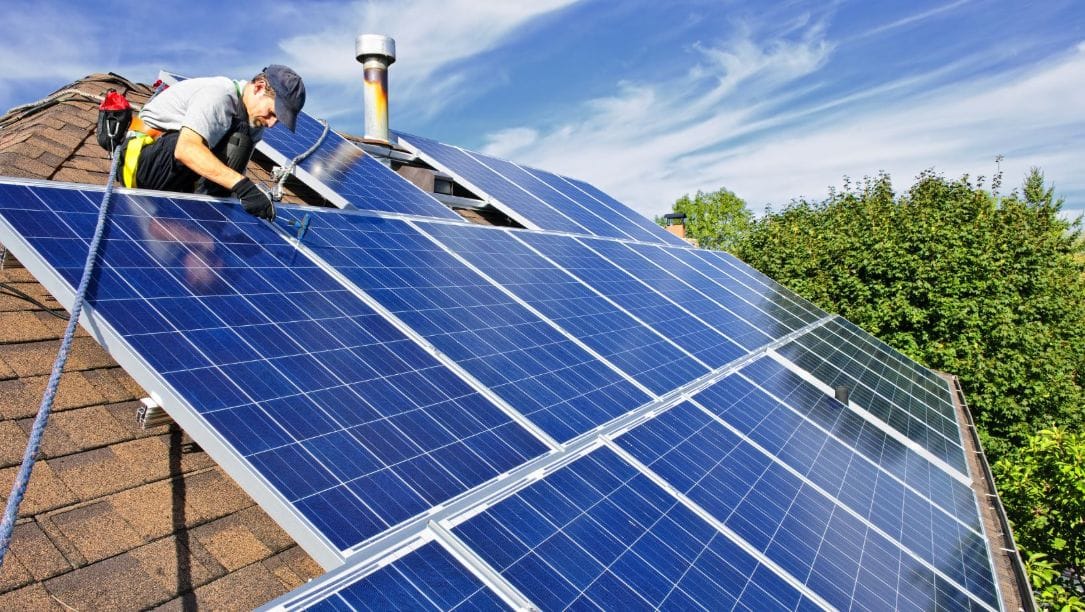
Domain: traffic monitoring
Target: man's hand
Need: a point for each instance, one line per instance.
(254, 200)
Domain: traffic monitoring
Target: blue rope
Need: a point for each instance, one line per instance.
(22, 479)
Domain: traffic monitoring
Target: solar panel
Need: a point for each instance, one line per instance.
(647, 355)
(612, 204)
(838, 356)
(549, 377)
(331, 417)
(525, 208)
(707, 330)
(342, 172)
(476, 417)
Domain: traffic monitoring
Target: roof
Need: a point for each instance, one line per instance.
(115, 516)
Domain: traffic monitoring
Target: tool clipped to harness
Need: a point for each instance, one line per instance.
(114, 118)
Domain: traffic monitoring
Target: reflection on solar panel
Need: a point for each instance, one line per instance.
(344, 423)
(465, 416)
(341, 172)
(536, 198)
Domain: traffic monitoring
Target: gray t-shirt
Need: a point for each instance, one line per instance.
(208, 106)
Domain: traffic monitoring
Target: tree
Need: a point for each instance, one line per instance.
(1043, 488)
(989, 288)
(717, 220)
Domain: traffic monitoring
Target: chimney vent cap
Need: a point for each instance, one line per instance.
(368, 45)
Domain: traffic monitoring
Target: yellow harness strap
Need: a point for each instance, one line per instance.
(131, 157)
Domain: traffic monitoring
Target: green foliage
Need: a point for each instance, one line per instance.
(717, 220)
(1043, 488)
(985, 287)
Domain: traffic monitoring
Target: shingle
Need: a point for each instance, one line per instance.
(16, 401)
(232, 542)
(81, 429)
(94, 473)
(33, 597)
(159, 508)
(24, 327)
(172, 563)
(12, 443)
(244, 589)
(45, 492)
(37, 552)
(96, 530)
(74, 390)
(116, 583)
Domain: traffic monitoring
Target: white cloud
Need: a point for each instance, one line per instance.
(433, 40)
(651, 142)
(507, 143)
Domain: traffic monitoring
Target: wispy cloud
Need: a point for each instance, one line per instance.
(651, 142)
(433, 38)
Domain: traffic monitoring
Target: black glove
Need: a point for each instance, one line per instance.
(254, 200)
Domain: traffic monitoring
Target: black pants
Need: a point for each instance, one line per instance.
(159, 169)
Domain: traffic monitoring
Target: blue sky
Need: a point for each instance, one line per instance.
(648, 100)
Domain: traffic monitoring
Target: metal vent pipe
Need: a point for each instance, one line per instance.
(376, 53)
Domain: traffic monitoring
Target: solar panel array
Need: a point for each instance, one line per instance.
(456, 415)
(538, 199)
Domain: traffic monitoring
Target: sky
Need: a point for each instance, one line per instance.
(648, 100)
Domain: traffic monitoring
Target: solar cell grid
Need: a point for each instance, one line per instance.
(346, 170)
(739, 327)
(508, 197)
(874, 495)
(600, 534)
(835, 363)
(775, 304)
(711, 346)
(588, 221)
(798, 524)
(628, 221)
(551, 380)
(609, 202)
(751, 277)
(646, 356)
(426, 579)
(935, 483)
(343, 417)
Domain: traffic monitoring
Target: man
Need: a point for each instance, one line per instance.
(195, 129)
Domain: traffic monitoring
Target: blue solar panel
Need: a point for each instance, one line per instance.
(767, 309)
(757, 282)
(598, 534)
(888, 453)
(557, 384)
(748, 326)
(426, 579)
(349, 172)
(715, 335)
(878, 388)
(348, 421)
(661, 234)
(835, 553)
(643, 354)
(622, 217)
(364, 431)
(514, 201)
(932, 533)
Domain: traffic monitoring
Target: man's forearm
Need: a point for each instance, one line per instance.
(192, 151)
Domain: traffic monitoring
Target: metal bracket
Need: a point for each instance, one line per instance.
(150, 414)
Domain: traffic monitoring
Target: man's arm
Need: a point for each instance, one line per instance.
(193, 152)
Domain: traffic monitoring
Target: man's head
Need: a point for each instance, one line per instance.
(276, 94)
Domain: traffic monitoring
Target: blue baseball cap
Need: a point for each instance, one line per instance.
(289, 93)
